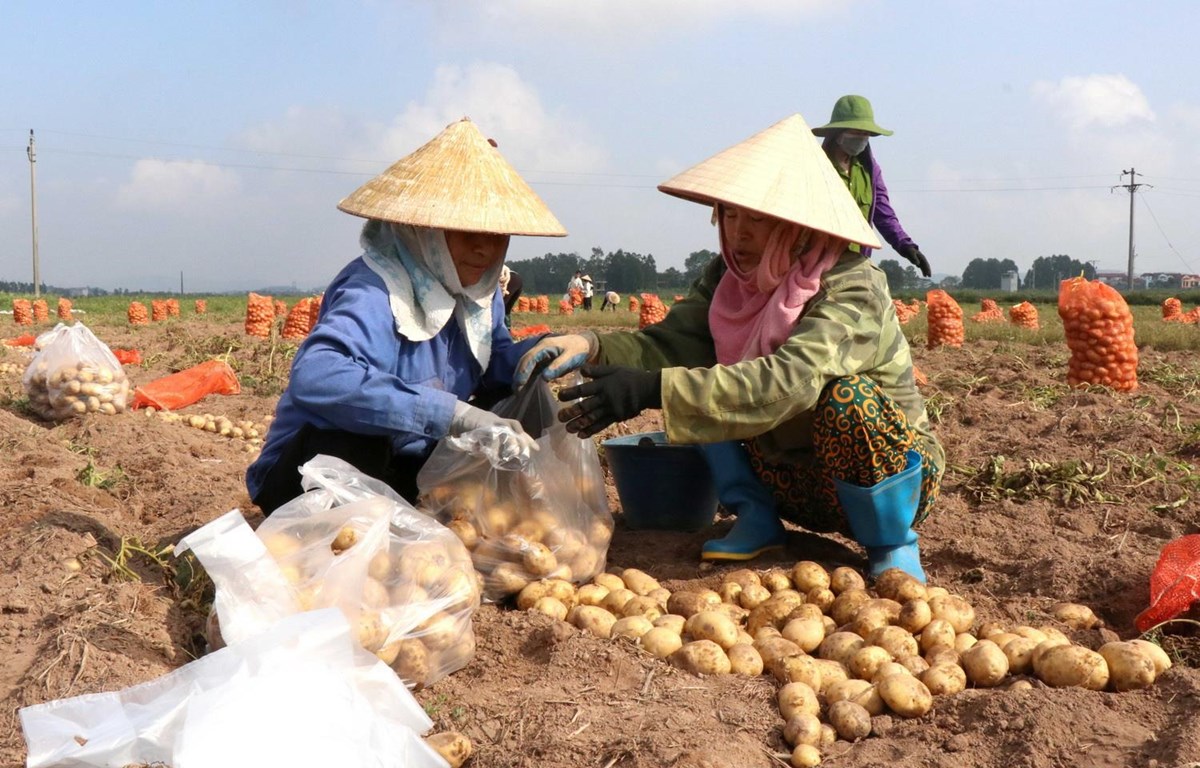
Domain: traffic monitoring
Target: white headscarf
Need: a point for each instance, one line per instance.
(424, 291)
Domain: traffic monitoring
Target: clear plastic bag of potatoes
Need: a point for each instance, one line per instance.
(403, 580)
(73, 373)
(545, 516)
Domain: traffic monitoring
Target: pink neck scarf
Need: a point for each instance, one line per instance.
(752, 314)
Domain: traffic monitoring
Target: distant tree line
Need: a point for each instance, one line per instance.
(621, 271)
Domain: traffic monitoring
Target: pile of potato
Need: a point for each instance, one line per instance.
(76, 388)
(843, 654)
(412, 598)
(517, 536)
(242, 429)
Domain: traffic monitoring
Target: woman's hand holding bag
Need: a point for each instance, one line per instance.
(615, 393)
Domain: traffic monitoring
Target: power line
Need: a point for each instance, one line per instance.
(1133, 187)
(1186, 263)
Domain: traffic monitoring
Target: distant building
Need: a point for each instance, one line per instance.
(1187, 282)
(1010, 282)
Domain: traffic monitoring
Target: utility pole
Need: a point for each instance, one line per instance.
(32, 152)
(1133, 187)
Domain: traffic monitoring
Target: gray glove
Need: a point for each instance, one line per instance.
(467, 417)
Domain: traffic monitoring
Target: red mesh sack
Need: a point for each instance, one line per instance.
(1174, 583)
(1172, 309)
(24, 340)
(576, 297)
(214, 377)
(1099, 329)
(634, 304)
(529, 330)
(41, 311)
(566, 307)
(653, 310)
(128, 356)
(945, 320)
(64, 310)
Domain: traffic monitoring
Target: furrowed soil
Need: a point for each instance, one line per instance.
(1051, 495)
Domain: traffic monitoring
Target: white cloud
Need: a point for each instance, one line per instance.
(175, 185)
(1106, 101)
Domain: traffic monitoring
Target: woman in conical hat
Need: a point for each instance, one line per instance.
(412, 329)
(785, 362)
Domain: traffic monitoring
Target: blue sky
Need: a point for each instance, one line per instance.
(217, 142)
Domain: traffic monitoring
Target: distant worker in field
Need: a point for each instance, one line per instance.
(588, 292)
(574, 284)
(847, 143)
(511, 285)
(411, 343)
(785, 363)
(611, 299)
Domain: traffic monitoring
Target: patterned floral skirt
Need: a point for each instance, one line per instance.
(860, 436)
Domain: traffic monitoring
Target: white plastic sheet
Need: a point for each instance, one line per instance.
(303, 693)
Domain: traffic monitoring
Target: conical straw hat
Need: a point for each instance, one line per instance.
(456, 181)
(781, 172)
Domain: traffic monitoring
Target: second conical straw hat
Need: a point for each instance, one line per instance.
(458, 180)
(781, 172)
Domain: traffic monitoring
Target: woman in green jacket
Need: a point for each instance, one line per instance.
(785, 362)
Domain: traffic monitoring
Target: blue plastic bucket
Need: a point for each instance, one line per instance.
(662, 487)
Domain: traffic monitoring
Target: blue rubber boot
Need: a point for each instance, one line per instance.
(757, 528)
(881, 519)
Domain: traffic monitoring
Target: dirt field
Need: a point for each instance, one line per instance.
(1051, 495)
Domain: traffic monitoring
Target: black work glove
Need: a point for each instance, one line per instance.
(913, 254)
(615, 393)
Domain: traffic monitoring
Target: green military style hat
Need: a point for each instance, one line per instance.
(852, 113)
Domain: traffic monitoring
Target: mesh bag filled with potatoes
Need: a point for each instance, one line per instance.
(524, 515)
(403, 579)
(73, 373)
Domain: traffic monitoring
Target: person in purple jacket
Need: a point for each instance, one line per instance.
(847, 143)
(411, 342)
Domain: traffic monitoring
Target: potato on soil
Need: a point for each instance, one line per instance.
(805, 756)
(1162, 662)
(773, 648)
(631, 627)
(840, 646)
(592, 619)
(847, 603)
(893, 668)
(744, 577)
(753, 596)
(851, 720)
(797, 699)
(831, 673)
(937, 632)
(702, 657)
(914, 616)
(953, 609)
(944, 679)
(898, 585)
(806, 633)
(609, 581)
(712, 625)
(671, 621)
(661, 642)
(802, 728)
(686, 603)
(642, 605)
(905, 695)
(1129, 667)
(985, 664)
(744, 660)
(807, 575)
(454, 747)
(1063, 666)
(591, 594)
(640, 582)
(614, 602)
(799, 668)
(822, 597)
(894, 640)
(776, 579)
(1019, 651)
(1074, 615)
(844, 578)
(867, 660)
(551, 606)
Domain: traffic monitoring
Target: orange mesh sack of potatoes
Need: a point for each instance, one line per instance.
(201, 307)
(64, 310)
(41, 311)
(543, 305)
(653, 310)
(172, 307)
(350, 542)
(1099, 329)
(299, 319)
(74, 373)
(522, 304)
(137, 313)
(945, 320)
(576, 297)
(1172, 310)
(314, 309)
(565, 307)
(525, 515)
(1024, 315)
(260, 315)
(989, 312)
(158, 310)
(22, 312)
(634, 304)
